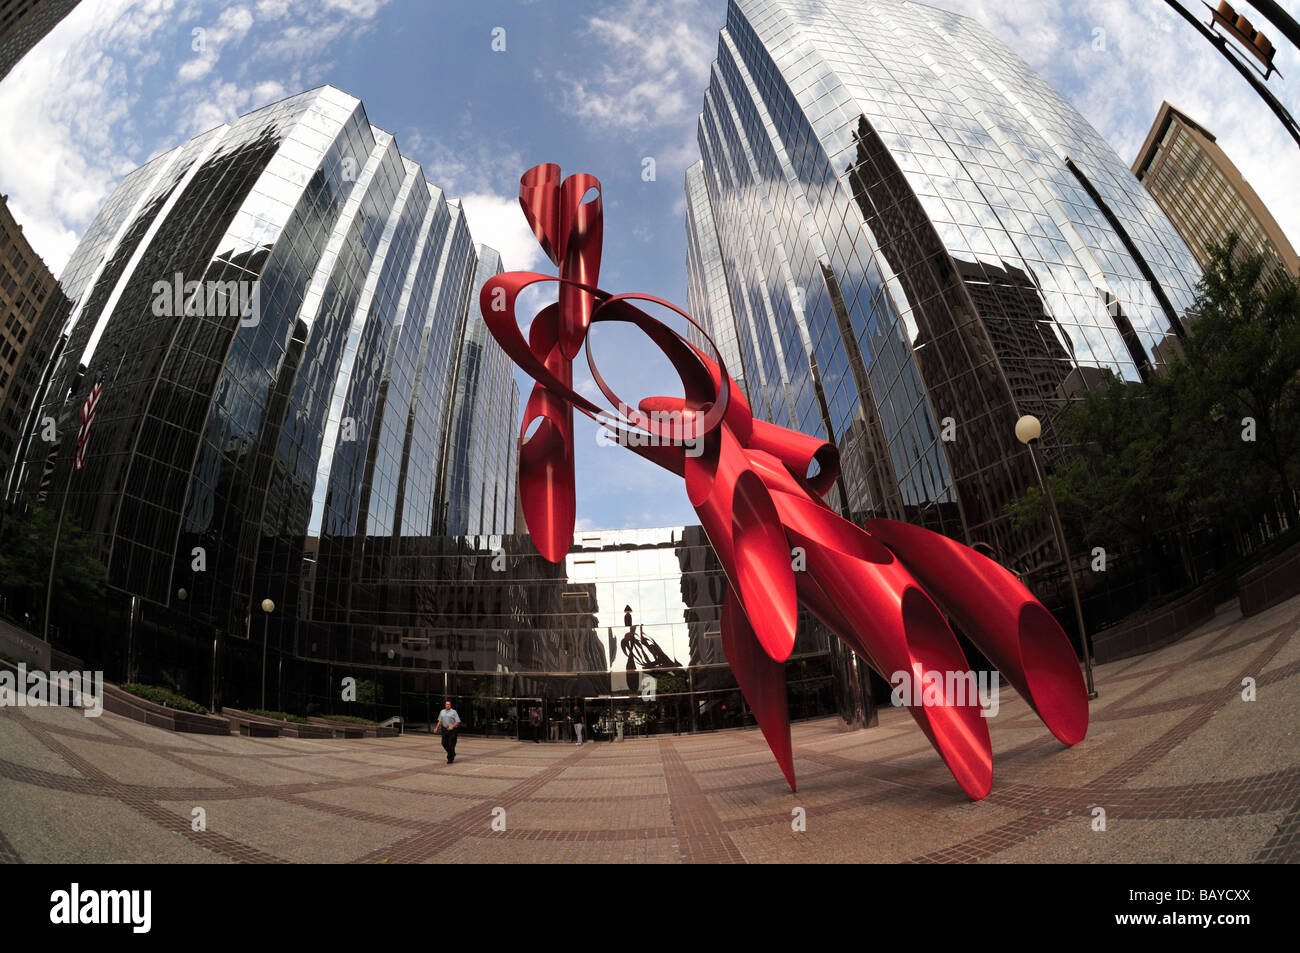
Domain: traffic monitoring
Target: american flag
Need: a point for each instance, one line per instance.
(88, 417)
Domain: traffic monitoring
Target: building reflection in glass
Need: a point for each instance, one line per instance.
(909, 239)
(625, 631)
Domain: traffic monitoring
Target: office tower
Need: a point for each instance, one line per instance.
(921, 241)
(25, 286)
(276, 310)
(24, 23)
(708, 296)
(1205, 196)
(480, 478)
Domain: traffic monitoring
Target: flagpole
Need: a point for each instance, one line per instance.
(54, 552)
(58, 532)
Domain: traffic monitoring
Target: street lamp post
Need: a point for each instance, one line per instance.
(267, 608)
(1029, 429)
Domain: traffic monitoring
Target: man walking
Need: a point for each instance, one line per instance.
(448, 724)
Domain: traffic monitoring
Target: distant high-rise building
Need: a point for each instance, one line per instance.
(25, 287)
(284, 315)
(1205, 196)
(24, 23)
(919, 240)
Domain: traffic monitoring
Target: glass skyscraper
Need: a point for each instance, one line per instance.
(480, 475)
(283, 312)
(301, 402)
(906, 239)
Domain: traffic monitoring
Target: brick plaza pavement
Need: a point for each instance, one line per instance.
(1184, 768)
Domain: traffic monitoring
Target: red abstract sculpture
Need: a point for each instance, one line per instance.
(757, 489)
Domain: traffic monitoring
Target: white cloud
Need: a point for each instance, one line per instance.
(499, 222)
(1151, 54)
(207, 42)
(64, 163)
(272, 9)
(655, 56)
(81, 95)
(463, 163)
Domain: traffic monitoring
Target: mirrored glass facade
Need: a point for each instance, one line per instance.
(480, 477)
(282, 310)
(920, 241)
(624, 631)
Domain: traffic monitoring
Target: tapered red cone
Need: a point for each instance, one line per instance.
(546, 491)
(904, 636)
(1004, 620)
(762, 682)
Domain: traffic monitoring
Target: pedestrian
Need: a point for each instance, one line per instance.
(449, 725)
(577, 727)
(536, 719)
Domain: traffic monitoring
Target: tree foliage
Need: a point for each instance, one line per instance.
(1216, 435)
(1241, 379)
(1119, 484)
(25, 550)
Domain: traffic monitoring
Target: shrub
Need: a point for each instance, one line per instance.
(165, 697)
(350, 719)
(279, 716)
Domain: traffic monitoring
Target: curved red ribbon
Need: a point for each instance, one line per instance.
(879, 589)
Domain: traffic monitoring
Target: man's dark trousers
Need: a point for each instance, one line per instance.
(449, 743)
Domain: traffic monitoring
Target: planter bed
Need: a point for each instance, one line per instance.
(1275, 581)
(259, 726)
(1154, 629)
(349, 729)
(121, 702)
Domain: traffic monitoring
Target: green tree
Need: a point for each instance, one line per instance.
(25, 547)
(1241, 385)
(369, 692)
(1217, 434)
(1119, 484)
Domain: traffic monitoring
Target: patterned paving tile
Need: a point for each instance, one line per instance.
(1183, 767)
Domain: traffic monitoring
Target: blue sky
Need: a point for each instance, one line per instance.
(596, 86)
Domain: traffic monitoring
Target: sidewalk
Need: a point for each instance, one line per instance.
(1184, 769)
